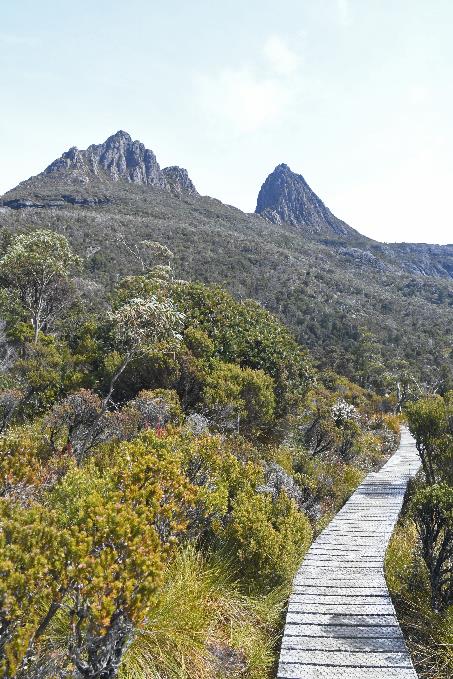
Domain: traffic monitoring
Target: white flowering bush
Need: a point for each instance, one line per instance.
(342, 411)
(142, 322)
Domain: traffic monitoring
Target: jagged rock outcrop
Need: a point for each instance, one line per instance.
(119, 157)
(422, 258)
(89, 174)
(286, 198)
(178, 181)
(363, 258)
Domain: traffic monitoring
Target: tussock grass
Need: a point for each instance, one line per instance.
(204, 627)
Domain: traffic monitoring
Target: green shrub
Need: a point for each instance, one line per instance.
(429, 635)
(270, 537)
(239, 399)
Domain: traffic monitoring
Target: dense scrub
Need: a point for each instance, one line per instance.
(166, 455)
(429, 633)
(420, 558)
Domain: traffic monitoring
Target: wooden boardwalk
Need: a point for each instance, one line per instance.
(341, 623)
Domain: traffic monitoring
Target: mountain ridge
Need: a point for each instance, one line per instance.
(105, 173)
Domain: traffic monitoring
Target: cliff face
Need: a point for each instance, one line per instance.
(178, 181)
(117, 158)
(286, 198)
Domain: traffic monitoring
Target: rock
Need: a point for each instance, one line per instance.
(178, 181)
(286, 198)
(121, 158)
(363, 258)
(117, 158)
(88, 174)
(21, 204)
(90, 202)
(227, 661)
(197, 424)
(18, 204)
(276, 480)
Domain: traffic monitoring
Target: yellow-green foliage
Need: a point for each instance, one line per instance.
(331, 483)
(344, 479)
(239, 397)
(431, 423)
(165, 401)
(171, 400)
(102, 539)
(269, 537)
(392, 422)
(23, 452)
(368, 450)
(199, 343)
(429, 634)
(33, 556)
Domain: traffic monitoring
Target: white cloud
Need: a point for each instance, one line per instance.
(280, 57)
(243, 98)
(344, 12)
(252, 96)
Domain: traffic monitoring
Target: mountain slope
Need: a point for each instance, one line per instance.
(330, 288)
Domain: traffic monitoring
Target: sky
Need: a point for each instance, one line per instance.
(355, 95)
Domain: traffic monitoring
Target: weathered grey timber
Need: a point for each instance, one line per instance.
(341, 623)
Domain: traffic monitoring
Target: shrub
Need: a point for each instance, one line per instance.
(269, 537)
(432, 508)
(429, 634)
(101, 541)
(154, 408)
(239, 399)
(23, 454)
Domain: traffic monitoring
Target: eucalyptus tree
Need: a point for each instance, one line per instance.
(34, 272)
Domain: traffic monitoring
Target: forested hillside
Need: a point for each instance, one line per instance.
(379, 314)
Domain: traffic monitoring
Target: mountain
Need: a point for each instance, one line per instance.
(90, 171)
(366, 309)
(286, 198)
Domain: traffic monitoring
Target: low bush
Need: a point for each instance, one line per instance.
(429, 634)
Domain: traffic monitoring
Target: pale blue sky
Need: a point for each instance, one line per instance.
(356, 95)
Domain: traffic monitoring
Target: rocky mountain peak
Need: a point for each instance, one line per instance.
(178, 180)
(121, 135)
(286, 198)
(120, 158)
